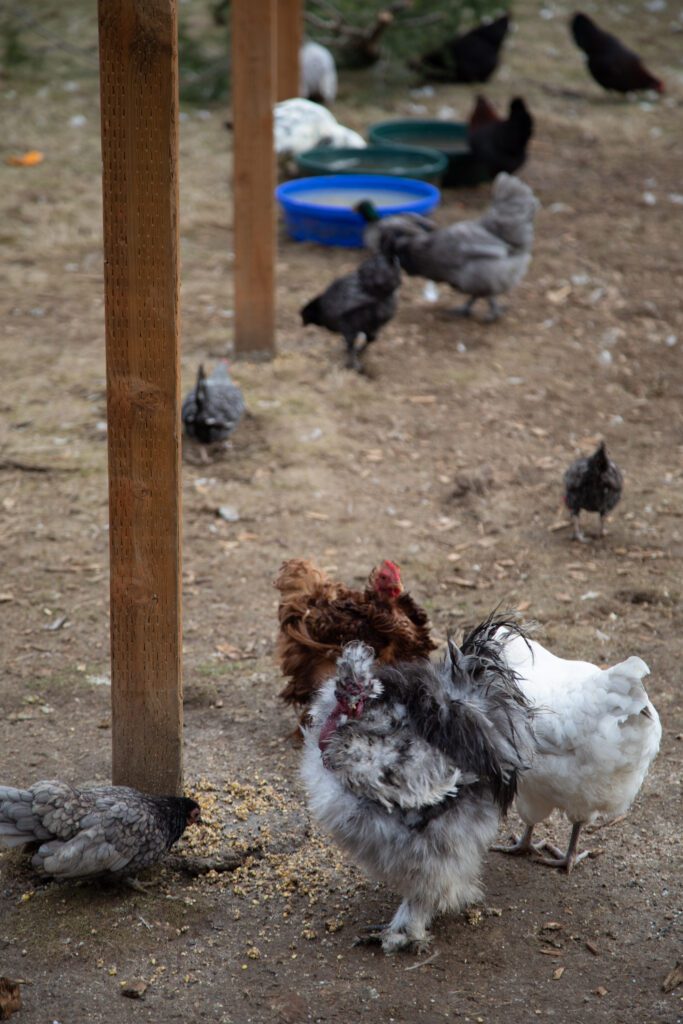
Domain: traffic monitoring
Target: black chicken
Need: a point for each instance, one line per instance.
(361, 302)
(501, 145)
(472, 57)
(593, 483)
(81, 833)
(612, 65)
(213, 408)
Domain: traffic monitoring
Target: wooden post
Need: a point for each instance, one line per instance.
(139, 97)
(253, 91)
(289, 30)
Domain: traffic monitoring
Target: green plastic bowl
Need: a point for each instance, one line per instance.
(396, 161)
(448, 137)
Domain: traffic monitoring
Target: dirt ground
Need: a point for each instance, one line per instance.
(448, 459)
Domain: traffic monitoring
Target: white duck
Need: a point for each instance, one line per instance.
(596, 734)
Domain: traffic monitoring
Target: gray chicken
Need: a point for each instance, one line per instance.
(592, 482)
(361, 302)
(213, 408)
(393, 226)
(482, 258)
(82, 833)
(410, 767)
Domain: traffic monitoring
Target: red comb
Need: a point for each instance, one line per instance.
(391, 567)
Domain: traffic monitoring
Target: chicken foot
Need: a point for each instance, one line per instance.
(522, 844)
(565, 861)
(407, 930)
(495, 309)
(578, 533)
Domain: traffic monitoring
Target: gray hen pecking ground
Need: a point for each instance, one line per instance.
(361, 302)
(594, 483)
(213, 408)
(410, 767)
(83, 833)
(482, 258)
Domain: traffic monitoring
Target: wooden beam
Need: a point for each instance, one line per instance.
(289, 32)
(139, 109)
(253, 91)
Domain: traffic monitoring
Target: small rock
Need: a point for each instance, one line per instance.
(228, 513)
(135, 990)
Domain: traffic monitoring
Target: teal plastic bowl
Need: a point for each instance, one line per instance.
(398, 161)
(448, 137)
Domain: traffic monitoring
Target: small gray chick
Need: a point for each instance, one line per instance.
(83, 833)
(212, 410)
(482, 258)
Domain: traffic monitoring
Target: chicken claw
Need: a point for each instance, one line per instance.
(521, 844)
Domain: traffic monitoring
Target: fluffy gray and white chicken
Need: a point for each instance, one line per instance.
(317, 73)
(360, 302)
(410, 767)
(596, 735)
(483, 258)
(594, 483)
(213, 408)
(82, 833)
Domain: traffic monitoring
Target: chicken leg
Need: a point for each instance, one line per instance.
(466, 308)
(578, 533)
(495, 310)
(568, 860)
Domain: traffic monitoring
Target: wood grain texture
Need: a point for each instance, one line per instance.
(139, 97)
(253, 91)
(289, 30)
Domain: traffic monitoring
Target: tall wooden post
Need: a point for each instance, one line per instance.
(289, 30)
(139, 96)
(253, 92)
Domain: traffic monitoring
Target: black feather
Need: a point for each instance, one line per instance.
(470, 707)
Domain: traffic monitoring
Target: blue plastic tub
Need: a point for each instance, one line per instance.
(321, 209)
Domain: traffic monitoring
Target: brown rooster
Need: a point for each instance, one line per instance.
(318, 616)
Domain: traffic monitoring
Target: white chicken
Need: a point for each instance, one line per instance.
(317, 73)
(596, 735)
(299, 125)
